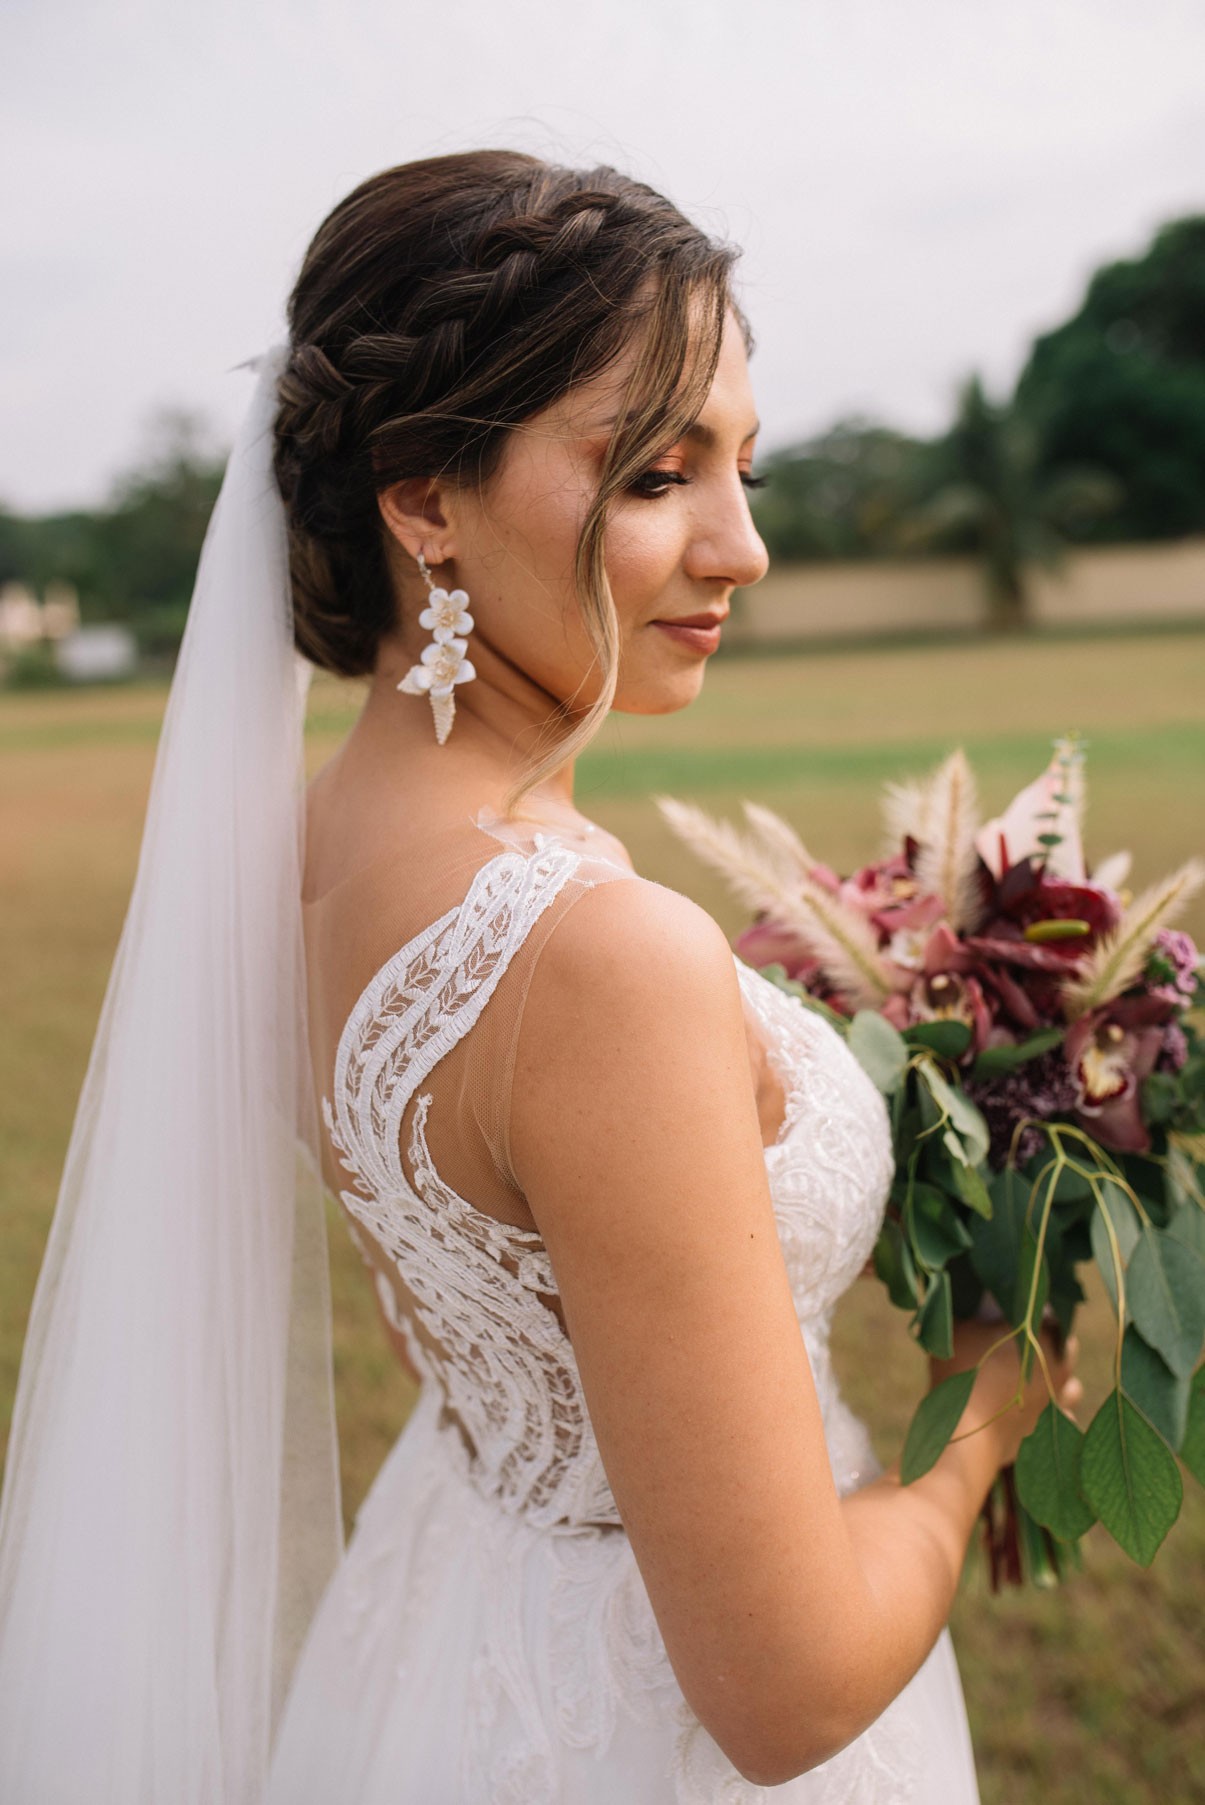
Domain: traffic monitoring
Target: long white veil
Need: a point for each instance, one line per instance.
(170, 1510)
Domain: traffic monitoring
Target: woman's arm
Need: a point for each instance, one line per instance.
(791, 1617)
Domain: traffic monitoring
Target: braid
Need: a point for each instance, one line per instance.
(438, 306)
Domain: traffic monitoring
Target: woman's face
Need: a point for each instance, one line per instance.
(677, 544)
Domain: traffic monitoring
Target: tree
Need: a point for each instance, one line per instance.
(1122, 383)
(994, 494)
(840, 494)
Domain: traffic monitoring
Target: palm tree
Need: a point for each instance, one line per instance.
(990, 496)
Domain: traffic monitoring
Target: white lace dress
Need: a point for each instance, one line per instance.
(487, 1639)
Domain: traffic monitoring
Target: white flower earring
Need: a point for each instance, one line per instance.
(444, 663)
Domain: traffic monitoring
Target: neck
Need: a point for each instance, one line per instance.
(504, 723)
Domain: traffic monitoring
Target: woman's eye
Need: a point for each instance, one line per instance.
(753, 482)
(657, 482)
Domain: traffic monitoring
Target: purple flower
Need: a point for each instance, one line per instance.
(1173, 967)
(1044, 1087)
(1173, 1054)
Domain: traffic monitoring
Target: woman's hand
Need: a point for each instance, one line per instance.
(1000, 1403)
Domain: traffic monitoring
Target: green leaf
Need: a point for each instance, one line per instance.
(1159, 1093)
(1187, 1225)
(1033, 1279)
(1071, 1186)
(935, 1229)
(996, 1244)
(879, 1050)
(995, 1060)
(1192, 1448)
(949, 1039)
(935, 1421)
(1113, 1203)
(936, 1325)
(1165, 1292)
(894, 1265)
(1130, 1477)
(965, 1120)
(973, 1190)
(1048, 1463)
(1159, 1393)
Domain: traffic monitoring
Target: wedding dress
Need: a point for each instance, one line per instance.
(487, 1639)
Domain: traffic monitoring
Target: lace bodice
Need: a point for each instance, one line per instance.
(475, 1297)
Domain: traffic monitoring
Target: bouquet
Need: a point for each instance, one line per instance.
(1031, 1027)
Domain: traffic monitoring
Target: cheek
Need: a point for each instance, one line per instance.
(643, 550)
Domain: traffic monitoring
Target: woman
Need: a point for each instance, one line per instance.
(608, 1182)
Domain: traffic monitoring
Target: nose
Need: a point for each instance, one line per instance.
(725, 545)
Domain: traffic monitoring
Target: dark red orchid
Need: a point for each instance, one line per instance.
(1110, 1051)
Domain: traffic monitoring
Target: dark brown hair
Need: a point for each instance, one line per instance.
(439, 305)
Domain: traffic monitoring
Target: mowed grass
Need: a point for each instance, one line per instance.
(1096, 1692)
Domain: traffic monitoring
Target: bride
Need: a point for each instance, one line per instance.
(607, 1182)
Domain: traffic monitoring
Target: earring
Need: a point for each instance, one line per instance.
(444, 663)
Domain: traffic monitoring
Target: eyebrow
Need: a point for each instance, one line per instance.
(698, 431)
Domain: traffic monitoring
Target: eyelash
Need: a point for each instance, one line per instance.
(655, 483)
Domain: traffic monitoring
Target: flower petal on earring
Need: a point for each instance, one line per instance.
(464, 672)
(416, 681)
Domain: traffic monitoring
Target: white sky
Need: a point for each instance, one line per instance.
(919, 185)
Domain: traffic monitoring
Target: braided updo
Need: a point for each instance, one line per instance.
(439, 305)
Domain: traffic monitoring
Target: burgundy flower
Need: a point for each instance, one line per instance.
(949, 997)
(1110, 1051)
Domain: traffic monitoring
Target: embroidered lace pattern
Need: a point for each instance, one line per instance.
(503, 1372)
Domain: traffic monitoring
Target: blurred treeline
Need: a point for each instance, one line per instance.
(1102, 441)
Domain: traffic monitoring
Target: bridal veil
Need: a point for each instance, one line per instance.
(170, 1512)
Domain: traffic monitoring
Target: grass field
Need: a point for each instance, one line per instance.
(1096, 1693)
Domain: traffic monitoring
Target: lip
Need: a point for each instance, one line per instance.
(699, 631)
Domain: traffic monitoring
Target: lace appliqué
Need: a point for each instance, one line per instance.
(505, 1368)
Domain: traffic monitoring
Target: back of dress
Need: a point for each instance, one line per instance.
(426, 964)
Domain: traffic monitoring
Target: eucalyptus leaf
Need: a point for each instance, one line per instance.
(935, 1421)
(963, 1117)
(995, 1060)
(1192, 1448)
(879, 1049)
(935, 1230)
(996, 1244)
(936, 1324)
(1031, 1290)
(1165, 1292)
(1112, 1202)
(948, 1039)
(973, 1190)
(1187, 1225)
(894, 1265)
(1160, 1394)
(1048, 1463)
(1130, 1478)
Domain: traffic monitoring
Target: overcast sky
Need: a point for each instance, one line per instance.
(919, 185)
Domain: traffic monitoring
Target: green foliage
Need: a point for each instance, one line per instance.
(955, 1232)
(1122, 384)
(1130, 1478)
(135, 558)
(935, 1421)
(840, 494)
(1048, 1470)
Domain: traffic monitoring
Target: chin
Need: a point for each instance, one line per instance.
(661, 694)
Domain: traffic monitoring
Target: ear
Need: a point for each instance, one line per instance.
(417, 514)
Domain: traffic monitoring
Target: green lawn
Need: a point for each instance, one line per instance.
(1095, 1693)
